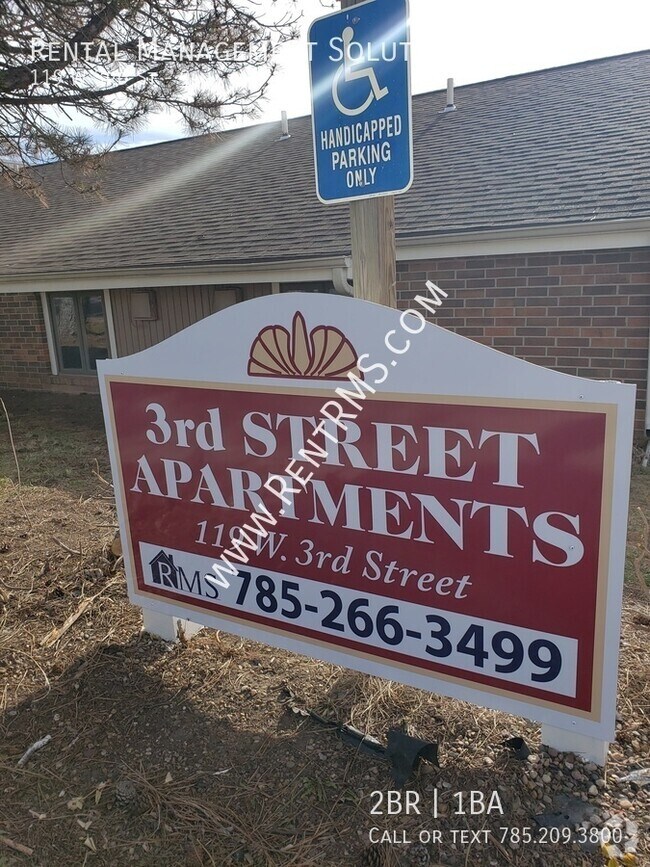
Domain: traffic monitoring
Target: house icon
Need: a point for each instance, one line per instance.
(163, 570)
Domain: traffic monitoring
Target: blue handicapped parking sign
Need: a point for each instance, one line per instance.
(361, 101)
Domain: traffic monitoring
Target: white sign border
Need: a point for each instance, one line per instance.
(603, 727)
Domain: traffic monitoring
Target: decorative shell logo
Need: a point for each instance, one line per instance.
(323, 353)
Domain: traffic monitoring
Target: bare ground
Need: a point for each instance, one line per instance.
(189, 754)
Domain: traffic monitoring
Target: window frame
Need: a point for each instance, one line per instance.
(77, 297)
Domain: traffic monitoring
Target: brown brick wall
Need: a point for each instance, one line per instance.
(24, 357)
(584, 313)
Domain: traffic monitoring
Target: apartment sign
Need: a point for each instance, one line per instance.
(460, 527)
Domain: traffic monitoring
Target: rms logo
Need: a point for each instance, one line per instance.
(180, 575)
(163, 570)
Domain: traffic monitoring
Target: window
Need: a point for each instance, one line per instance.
(323, 286)
(79, 330)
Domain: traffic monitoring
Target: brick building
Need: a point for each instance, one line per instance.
(531, 207)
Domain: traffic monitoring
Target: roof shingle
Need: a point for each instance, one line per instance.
(560, 146)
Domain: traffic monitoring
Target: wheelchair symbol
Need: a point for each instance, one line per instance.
(351, 74)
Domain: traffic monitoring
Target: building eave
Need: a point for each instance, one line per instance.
(607, 234)
(296, 271)
(604, 235)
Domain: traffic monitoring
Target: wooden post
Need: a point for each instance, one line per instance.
(374, 271)
(372, 223)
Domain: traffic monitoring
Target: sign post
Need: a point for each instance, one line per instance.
(361, 114)
(364, 488)
(372, 226)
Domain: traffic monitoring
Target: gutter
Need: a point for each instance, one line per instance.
(296, 271)
(606, 234)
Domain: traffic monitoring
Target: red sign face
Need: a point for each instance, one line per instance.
(457, 539)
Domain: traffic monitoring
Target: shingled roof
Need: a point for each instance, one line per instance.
(569, 145)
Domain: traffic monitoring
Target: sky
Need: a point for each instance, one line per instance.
(467, 40)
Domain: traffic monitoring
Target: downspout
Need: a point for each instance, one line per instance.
(341, 278)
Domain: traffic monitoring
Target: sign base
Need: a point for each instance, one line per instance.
(591, 749)
(167, 627)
